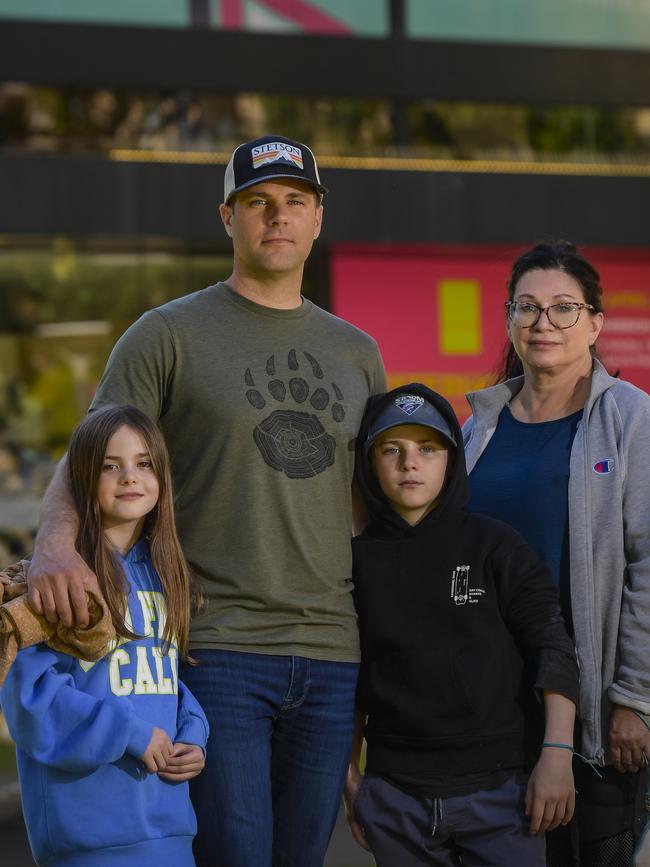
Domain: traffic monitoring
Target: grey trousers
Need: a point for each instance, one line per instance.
(484, 829)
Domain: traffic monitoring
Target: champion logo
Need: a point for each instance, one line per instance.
(276, 152)
(604, 467)
(409, 403)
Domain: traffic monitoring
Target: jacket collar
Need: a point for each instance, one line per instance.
(491, 400)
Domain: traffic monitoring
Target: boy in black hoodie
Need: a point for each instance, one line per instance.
(450, 604)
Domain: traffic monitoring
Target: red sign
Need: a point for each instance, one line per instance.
(437, 313)
(308, 16)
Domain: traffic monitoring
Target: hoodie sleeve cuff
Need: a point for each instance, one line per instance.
(139, 737)
(567, 687)
(623, 697)
(192, 731)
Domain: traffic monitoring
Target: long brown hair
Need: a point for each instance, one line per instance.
(86, 457)
(552, 256)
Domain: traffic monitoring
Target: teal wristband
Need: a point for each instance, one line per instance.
(578, 755)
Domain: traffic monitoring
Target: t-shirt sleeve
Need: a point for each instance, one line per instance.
(378, 374)
(140, 368)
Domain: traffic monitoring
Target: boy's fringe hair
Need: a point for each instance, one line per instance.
(85, 461)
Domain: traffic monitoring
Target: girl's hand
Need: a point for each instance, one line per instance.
(158, 752)
(186, 761)
(352, 784)
(551, 796)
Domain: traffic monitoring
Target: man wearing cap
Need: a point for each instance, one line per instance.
(259, 394)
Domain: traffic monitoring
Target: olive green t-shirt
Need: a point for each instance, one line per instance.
(259, 408)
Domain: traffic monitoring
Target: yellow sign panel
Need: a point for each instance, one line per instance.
(459, 310)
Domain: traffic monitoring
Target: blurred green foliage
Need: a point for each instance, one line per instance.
(7, 757)
(60, 281)
(473, 130)
(93, 295)
(95, 120)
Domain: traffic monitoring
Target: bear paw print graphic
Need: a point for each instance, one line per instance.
(294, 442)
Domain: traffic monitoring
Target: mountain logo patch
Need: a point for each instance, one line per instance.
(277, 152)
(409, 403)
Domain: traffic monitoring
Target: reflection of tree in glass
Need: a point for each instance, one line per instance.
(47, 378)
(94, 120)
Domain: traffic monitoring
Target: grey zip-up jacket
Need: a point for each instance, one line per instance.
(609, 538)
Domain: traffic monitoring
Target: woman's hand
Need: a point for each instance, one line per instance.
(352, 784)
(185, 762)
(550, 796)
(629, 741)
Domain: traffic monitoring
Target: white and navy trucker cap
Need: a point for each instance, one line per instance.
(409, 409)
(272, 156)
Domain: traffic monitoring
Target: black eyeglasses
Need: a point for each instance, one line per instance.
(523, 314)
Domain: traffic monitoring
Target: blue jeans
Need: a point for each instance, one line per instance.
(279, 747)
(484, 829)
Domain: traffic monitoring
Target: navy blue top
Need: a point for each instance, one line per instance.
(522, 478)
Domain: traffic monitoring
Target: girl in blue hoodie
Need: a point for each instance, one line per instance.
(105, 749)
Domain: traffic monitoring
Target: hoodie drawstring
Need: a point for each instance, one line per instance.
(435, 812)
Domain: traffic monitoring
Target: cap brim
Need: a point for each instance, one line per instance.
(319, 188)
(377, 433)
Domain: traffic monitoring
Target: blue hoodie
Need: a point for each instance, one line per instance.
(81, 729)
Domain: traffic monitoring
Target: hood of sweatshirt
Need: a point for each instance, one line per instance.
(384, 520)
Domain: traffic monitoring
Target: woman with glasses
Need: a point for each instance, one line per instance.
(560, 450)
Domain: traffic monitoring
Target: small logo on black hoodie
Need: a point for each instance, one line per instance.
(461, 592)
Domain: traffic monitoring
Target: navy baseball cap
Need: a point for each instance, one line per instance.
(409, 409)
(271, 156)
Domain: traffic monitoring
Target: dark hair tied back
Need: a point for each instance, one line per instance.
(552, 256)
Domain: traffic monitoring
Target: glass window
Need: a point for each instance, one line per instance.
(62, 306)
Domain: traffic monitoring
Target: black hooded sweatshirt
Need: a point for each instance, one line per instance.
(448, 611)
